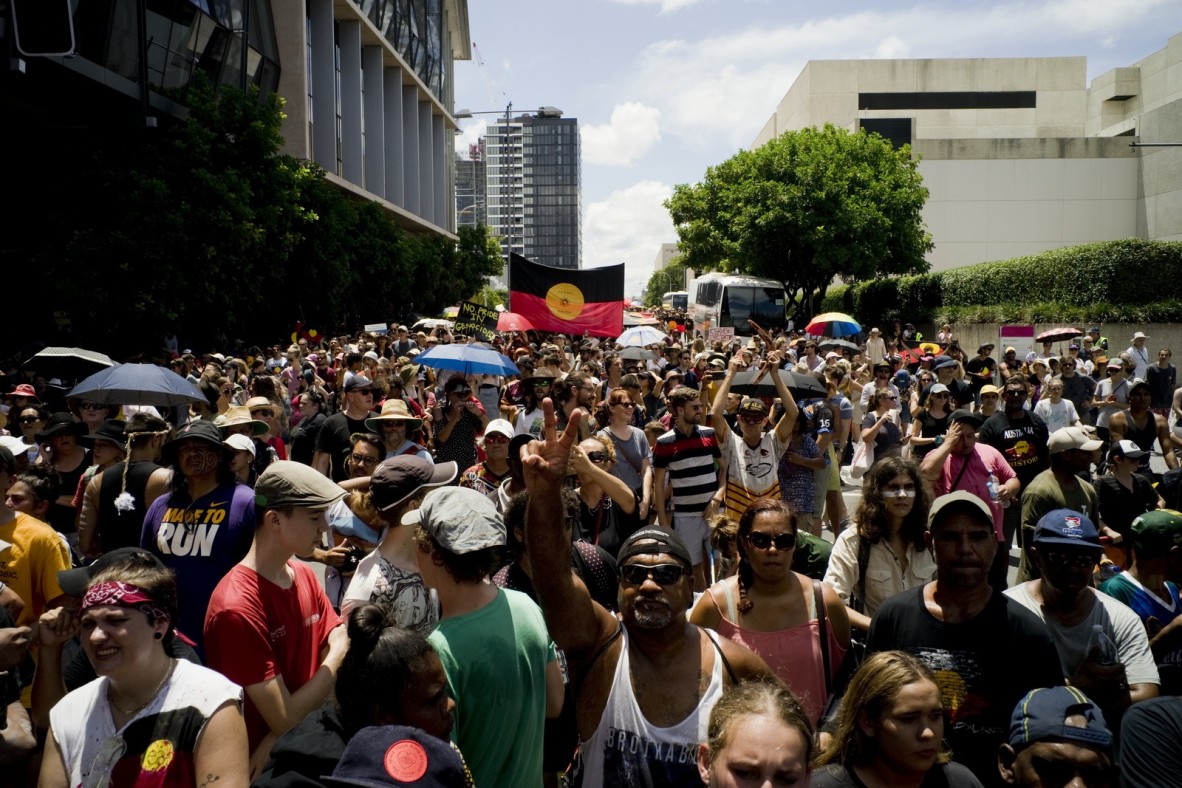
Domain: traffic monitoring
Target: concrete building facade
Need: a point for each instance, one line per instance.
(1019, 155)
(471, 187)
(534, 191)
(665, 255)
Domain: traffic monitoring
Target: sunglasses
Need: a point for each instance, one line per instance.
(30, 419)
(542, 384)
(662, 574)
(266, 413)
(752, 418)
(91, 406)
(598, 457)
(1072, 559)
(626, 404)
(495, 438)
(762, 541)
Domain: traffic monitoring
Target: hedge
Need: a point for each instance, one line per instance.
(1131, 280)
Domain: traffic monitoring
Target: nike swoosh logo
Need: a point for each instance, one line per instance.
(219, 504)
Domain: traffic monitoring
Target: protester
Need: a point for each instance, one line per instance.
(333, 443)
(930, 424)
(881, 427)
(1058, 736)
(313, 414)
(959, 625)
(890, 730)
(885, 553)
(487, 476)
(458, 418)
(269, 626)
(399, 430)
(1143, 427)
(1124, 493)
(148, 716)
(758, 734)
(1055, 411)
(1148, 753)
(633, 456)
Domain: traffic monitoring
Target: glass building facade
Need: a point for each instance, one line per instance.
(534, 195)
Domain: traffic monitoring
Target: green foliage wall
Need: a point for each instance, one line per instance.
(1132, 280)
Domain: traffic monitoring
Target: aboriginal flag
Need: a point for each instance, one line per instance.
(569, 300)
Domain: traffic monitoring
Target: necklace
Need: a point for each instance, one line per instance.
(152, 697)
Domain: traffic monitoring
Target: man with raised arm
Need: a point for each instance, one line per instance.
(645, 682)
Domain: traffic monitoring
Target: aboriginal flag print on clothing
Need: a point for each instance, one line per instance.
(572, 301)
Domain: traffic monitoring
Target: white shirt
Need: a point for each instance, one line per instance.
(1140, 358)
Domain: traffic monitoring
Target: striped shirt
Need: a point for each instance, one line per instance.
(690, 461)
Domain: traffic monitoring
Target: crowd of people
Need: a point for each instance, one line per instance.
(622, 566)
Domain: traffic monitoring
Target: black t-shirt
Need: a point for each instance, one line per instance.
(977, 365)
(1161, 382)
(1023, 442)
(304, 436)
(983, 667)
(607, 525)
(1119, 505)
(334, 441)
(947, 775)
(930, 427)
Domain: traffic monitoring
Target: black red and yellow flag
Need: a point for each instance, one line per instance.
(573, 301)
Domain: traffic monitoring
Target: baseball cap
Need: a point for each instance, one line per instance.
(989, 389)
(389, 755)
(1067, 527)
(753, 405)
(75, 581)
(961, 500)
(1094, 330)
(358, 383)
(1069, 438)
(287, 483)
(654, 540)
(1157, 531)
(461, 520)
(1115, 363)
(239, 443)
(963, 414)
(398, 478)
(500, 427)
(1127, 449)
(937, 388)
(1042, 716)
(943, 361)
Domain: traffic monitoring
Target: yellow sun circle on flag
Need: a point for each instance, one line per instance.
(158, 756)
(565, 301)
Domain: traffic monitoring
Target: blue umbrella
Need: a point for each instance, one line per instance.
(471, 359)
(137, 384)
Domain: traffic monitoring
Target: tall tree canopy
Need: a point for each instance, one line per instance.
(808, 206)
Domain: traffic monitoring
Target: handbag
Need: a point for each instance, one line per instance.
(863, 459)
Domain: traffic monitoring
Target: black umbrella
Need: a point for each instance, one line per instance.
(68, 363)
(838, 344)
(758, 383)
(138, 384)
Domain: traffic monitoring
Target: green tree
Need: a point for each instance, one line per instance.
(671, 277)
(805, 208)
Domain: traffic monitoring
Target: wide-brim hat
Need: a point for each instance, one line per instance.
(111, 430)
(200, 430)
(394, 409)
(59, 423)
(24, 390)
(237, 415)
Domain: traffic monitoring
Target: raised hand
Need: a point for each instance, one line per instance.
(545, 461)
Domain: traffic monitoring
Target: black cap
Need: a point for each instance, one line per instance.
(398, 478)
(358, 383)
(75, 581)
(964, 414)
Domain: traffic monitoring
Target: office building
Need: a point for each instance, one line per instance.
(1019, 155)
(471, 187)
(534, 197)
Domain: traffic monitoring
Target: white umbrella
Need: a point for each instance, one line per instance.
(641, 336)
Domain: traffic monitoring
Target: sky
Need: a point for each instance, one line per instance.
(664, 89)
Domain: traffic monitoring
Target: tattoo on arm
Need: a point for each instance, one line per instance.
(210, 779)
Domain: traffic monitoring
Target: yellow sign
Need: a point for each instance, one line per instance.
(565, 301)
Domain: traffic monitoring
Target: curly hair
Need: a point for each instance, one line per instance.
(871, 514)
(759, 506)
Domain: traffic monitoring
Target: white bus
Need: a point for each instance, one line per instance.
(676, 299)
(723, 300)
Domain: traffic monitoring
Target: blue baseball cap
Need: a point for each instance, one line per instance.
(1067, 527)
(1042, 716)
(943, 361)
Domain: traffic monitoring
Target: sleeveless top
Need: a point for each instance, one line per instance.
(122, 529)
(1142, 436)
(793, 654)
(626, 749)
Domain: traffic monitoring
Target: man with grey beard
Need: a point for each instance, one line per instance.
(645, 682)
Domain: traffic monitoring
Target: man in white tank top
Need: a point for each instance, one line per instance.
(647, 681)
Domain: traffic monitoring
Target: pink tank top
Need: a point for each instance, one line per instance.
(793, 654)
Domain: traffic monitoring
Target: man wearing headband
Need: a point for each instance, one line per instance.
(638, 678)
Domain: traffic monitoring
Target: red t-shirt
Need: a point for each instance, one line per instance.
(255, 630)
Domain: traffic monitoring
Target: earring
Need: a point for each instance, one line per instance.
(159, 636)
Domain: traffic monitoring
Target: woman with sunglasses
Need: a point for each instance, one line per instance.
(609, 510)
(634, 457)
(881, 425)
(923, 379)
(930, 425)
(148, 717)
(31, 419)
(884, 553)
(776, 612)
(458, 419)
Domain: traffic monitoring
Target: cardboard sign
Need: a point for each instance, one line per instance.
(722, 334)
(477, 321)
(377, 329)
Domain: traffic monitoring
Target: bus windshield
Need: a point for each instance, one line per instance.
(764, 305)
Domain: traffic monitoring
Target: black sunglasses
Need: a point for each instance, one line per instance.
(663, 574)
(761, 541)
(597, 456)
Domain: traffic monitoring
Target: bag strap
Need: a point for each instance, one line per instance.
(863, 562)
(964, 467)
(823, 633)
(725, 662)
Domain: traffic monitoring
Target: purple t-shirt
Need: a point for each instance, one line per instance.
(201, 542)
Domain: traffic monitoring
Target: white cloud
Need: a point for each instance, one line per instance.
(667, 6)
(471, 130)
(625, 139)
(629, 226)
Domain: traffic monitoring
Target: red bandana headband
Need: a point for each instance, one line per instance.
(127, 595)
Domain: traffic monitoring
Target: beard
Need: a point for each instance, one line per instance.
(651, 618)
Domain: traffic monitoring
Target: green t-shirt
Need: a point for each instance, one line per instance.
(1045, 494)
(496, 659)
